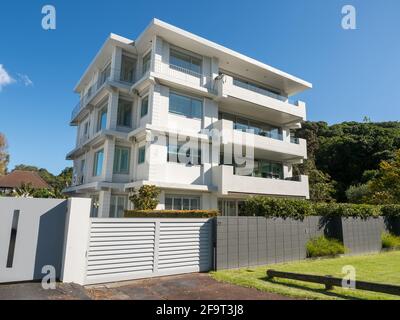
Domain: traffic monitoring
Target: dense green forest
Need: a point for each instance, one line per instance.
(352, 161)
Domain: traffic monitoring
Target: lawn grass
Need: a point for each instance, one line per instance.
(381, 268)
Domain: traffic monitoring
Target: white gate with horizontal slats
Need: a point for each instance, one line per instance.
(133, 248)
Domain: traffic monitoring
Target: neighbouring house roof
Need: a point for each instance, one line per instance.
(18, 177)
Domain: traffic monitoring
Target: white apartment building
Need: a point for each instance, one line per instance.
(168, 82)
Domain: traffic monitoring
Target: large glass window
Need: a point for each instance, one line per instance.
(263, 169)
(121, 160)
(102, 121)
(128, 66)
(124, 116)
(98, 163)
(182, 202)
(117, 206)
(184, 105)
(144, 107)
(185, 61)
(105, 74)
(259, 128)
(146, 62)
(178, 153)
(142, 155)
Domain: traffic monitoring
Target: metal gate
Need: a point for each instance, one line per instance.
(125, 249)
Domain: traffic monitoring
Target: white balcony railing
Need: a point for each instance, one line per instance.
(115, 76)
(228, 182)
(186, 75)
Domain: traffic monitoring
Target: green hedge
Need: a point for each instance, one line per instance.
(170, 213)
(278, 207)
(390, 241)
(347, 210)
(299, 209)
(322, 246)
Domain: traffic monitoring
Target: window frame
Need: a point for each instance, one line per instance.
(139, 160)
(118, 160)
(146, 62)
(119, 114)
(146, 97)
(192, 98)
(182, 198)
(115, 199)
(103, 110)
(175, 52)
(96, 165)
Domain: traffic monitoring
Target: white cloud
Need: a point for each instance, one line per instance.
(5, 78)
(25, 79)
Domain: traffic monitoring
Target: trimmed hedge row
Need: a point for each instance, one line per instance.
(322, 246)
(298, 209)
(170, 213)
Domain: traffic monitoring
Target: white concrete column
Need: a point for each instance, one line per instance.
(112, 110)
(116, 63)
(104, 203)
(108, 161)
(76, 241)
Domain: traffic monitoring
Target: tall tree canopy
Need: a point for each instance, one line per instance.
(347, 152)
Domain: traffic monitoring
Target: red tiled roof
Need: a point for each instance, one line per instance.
(17, 177)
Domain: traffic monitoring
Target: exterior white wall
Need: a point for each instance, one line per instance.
(157, 84)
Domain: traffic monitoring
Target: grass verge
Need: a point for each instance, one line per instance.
(381, 268)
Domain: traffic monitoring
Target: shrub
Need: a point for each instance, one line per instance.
(390, 241)
(146, 198)
(358, 193)
(391, 210)
(322, 246)
(278, 207)
(170, 213)
(347, 210)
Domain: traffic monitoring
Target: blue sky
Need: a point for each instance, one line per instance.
(354, 72)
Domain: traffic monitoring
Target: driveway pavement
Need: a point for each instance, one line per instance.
(195, 286)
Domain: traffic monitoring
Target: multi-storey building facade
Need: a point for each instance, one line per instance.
(171, 82)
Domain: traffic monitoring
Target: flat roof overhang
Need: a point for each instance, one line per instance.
(229, 60)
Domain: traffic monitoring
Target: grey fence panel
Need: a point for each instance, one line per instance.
(362, 235)
(31, 237)
(252, 241)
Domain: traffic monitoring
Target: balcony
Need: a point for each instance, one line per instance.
(115, 76)
(239, 96)
(274, 147)
(178, 76)
(227, 183)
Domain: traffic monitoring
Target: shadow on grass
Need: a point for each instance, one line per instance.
(315, 290)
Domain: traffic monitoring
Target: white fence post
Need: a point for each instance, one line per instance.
(76, 241)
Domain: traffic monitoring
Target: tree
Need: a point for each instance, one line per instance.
(24, 191)
(4, 156)
(385, 187)
(146, 198)
(358, 193)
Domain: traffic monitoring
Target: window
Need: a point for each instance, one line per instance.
(184, 105)
(82, 171)
(105, 74)
(264, 169)
(144, 108)
(128, 69)
(124, 116)
(178, 153)
(185, 61)
(121, 160)
(98, 163)
(142, 155)
(86, 129)
(182, 202)
(259, 128)
(117, 206)
(146, 62)
(102, 121)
